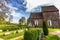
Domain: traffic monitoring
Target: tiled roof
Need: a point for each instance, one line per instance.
(49, 8)
(37, 15)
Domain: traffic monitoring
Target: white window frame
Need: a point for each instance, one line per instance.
(49, 22)
(36, 22)
(30, 24)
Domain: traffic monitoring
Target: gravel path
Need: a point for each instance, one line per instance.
(16, 38)
(13, 38)
(55, 33)
(1, 39)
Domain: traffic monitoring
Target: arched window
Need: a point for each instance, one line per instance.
(29, 24)
(36, 22)
(49, 23)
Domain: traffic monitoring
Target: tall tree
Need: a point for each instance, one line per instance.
(22, 20)
(45, 28)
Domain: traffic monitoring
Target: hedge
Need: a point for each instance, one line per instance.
(32, 34)
(9, 28)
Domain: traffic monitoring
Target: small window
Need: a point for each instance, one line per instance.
(36, 22)
(49, 23)
(29, 24)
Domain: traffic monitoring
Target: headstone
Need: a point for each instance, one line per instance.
(0, 30)
(7, 33)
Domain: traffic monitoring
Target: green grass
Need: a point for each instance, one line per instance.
(53, 29)
(35, 28)
(51, 37)
(20, 39)
(11, 35)
(50, 29)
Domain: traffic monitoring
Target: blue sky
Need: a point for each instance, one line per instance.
(18, 9)
(22, 8)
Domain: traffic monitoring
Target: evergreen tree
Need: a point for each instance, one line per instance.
(45, 28)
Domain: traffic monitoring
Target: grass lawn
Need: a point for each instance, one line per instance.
(51, 37)
(53, 29)
(20, 39)
(36, 28)
(50, 29)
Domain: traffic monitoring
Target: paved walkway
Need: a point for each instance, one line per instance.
(56, 33)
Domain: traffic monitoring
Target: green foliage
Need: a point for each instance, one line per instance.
(17, 31)
(12, 35)
(53, 30)
(32, 34)
(23, 26)
(12, 27)
(3, 34)
(20, 39)
(22, 20)
(45, 28)
(9, 28)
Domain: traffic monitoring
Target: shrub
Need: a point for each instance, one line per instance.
(3, 34)
(17, 31)
(4, 30)
(31, 34)
(45, 28)
(9, 28)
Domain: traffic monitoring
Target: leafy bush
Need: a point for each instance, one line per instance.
(9, 28)
(4, 30)
(12, 35)
(32, 34)
(3, 34)
(45, 28)
(17, 31)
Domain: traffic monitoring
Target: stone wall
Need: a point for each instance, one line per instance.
(53, 16)
(32, 21)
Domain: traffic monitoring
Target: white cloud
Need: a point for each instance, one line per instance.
(15, 21)
(10, 6)
(34, 3)
(15, 8)
(13, 12)
(16, 14)
(57, 4)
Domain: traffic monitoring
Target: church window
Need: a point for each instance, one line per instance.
(36, 22)
(49, 23)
